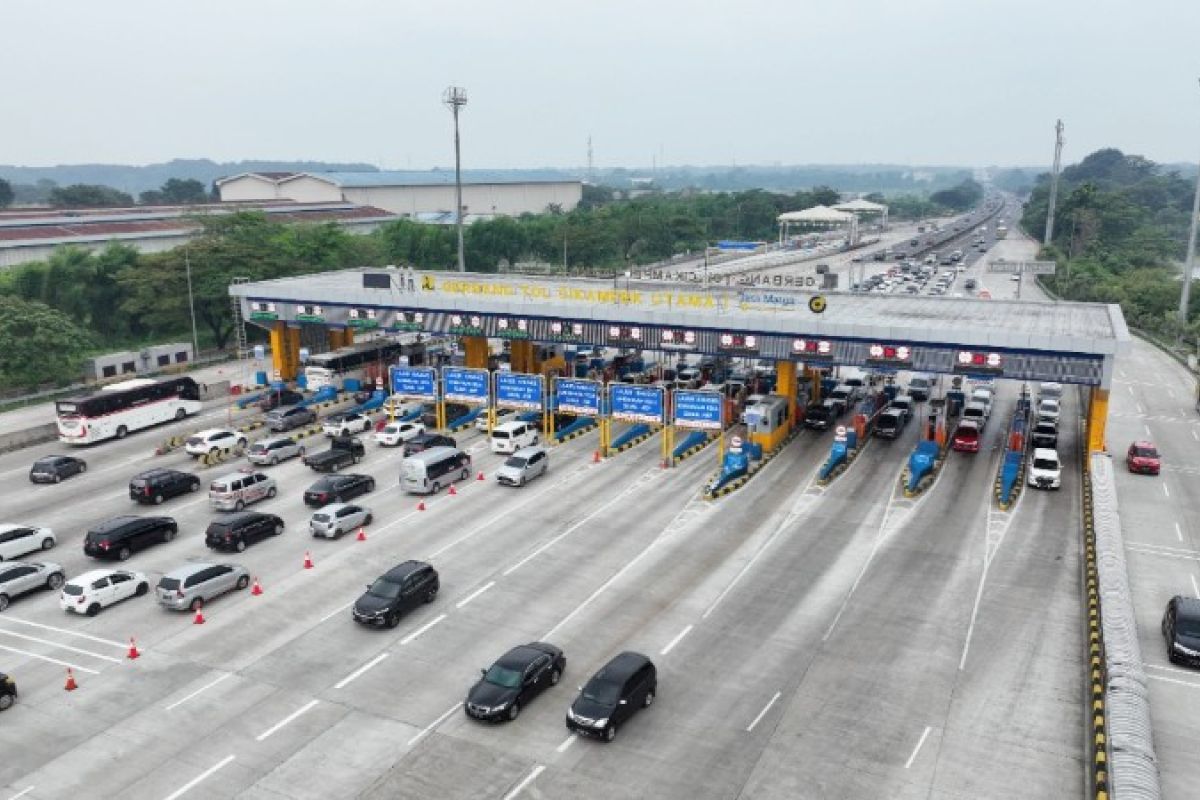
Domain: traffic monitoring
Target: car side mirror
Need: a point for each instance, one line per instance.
(580, 688)
(623, 702)
(483, 671)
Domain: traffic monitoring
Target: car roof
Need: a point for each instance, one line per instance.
(192, 569)
(97, 574)
(521, 656)
(508, 426)
(968, 424)
(332, 508)
(1045, 452)
(1144, 443)
(526, 452)
(207, 432)
(114, 522)
(433, 454)
(403, 570)
(622, 666)
(237, 517)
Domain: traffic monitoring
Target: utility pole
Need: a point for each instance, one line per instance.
(455, 97)
(187, 265)
(1189, 263)
(1058, 143)
(591, 167)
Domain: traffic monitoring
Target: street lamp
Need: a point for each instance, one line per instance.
(455, 97)
(187, 265)
(1190, 262)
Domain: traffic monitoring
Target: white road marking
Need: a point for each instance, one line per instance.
(763, 713)
(1147, 427)
(65, 631)
(1171, 392)
(358, 672)
(289, 718)
(425, 731)
(1140, 409)
(520, 787)
(49, 659)
(474, 594)
(201, 690)
(423, 628)
(570, 740)
(1195, 588)
(1195, 435)
(1166, 491)
(1165, 668)
(1122, 373)
(187, 787)
(1189, 684)
(51, 643)
(917, 749)
(1162, 551)
(335, 612)
(1178, 532)
(1130, 388)
(671, 644)
(1173, 550)
(21, 793)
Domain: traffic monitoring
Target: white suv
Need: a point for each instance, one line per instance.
(17, 540)
(1045, 470)
(92, 591)
(346, 424)
(212, 440)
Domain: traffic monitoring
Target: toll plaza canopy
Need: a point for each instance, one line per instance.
(1022, 340)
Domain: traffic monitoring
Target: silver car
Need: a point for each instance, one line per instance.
(190, 587)
(523, 466)
(19, 577)
(284, 419)
(273, 450)
(337, 518)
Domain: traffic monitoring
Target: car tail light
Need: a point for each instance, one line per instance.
(81, 600)
(104, 545)
(147, 490)
(179, 592)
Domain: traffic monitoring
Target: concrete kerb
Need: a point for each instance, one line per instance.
(1096, 677)
(691, 451)
(755, 468)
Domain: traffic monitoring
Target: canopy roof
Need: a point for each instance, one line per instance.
(815, 214)
(861, 205)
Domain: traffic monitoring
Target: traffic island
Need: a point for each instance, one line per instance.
(731, 477)
(692, 444)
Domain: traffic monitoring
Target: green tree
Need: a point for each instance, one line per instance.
(82, 195)
(6, 193)
(41, 344)
(176, 192)
(960, 197)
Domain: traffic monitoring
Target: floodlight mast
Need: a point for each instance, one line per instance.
(454, 98)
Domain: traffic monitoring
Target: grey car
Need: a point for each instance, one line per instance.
(190, 587)
(273, 450)
(285, 419)
(523, 466)
(337, 518)
(20, 577)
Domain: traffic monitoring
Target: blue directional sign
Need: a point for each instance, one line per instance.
(517, 390)
(417, 383)
(634, 403)
(578, 397)
(699, 410)
(463, 385)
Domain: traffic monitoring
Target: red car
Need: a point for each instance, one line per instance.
(1143, 457)
(966, 437)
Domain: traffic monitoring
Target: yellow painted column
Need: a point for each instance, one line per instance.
(279, 349)
(335, 338)
(1097, 419)
(347, 337)
(293, 354)
(785, 384)
(476, 349)
(522, 357)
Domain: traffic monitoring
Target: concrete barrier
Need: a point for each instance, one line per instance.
(39, 434)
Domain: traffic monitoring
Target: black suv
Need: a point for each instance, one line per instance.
(424, 441)
(53, 469)
(245, 528)
(621, 687)
(517, 677)
(337, 489)
(1181, 629)
(397, 591)
(279, 397)
(121, 537)
(8, 691)
(156, 485)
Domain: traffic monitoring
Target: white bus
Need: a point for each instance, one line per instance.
(119, 408)
(363, 361)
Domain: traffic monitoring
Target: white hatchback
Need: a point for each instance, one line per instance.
(17, 540)
(213, 440)
(395, 433)
(92, 591)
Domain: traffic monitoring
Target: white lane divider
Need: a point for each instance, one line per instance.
(51, 643)
(1178, 532)
(428, 728)
(198, 692)
(422, 629)
(289, 718)
(1166, 491)
(530, 778)
(917, 749)
(21, 793)
(998, 524)
(344, 682)
(570, 740)
(679, 637)
(65, 631)
(27, 654)
(1195, 588)
(764, 711)
(196, 781)
(474, 594)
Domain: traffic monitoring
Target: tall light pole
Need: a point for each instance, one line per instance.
(1190, 262)
(1058, 143)
(187, 266)
(455, 97)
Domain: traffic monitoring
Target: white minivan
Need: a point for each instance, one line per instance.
(512, 436)
(238, 490)
(428, 471)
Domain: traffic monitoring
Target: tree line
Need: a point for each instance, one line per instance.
(175, 191)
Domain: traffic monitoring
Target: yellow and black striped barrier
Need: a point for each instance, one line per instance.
(634, 441)
(577, 433)
(169, 444)
(755, 468)
(252, 426)
(1097, 679)
(691, 451)
(214, 457)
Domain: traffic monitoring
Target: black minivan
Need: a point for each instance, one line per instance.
(156, 485)
(398, 591)
(121, 537)
(236, 531)
(621, 687)
(1181, 630)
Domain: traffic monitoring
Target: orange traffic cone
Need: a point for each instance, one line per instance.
(308, 562)
(71, 684)
(453, 491)
(362, 535)
(133, 651)
(199, 620)
(595, 456)
(421, 506)
(256, 589)
(479, 477)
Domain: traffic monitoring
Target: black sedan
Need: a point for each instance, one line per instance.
(279, 397)
(8, 691)
(517, 677)
(52, 469)
(338, 489)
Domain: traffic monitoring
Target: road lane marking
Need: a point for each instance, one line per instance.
(1166, 491)
(335, 612)
(289, 718)
(520, 787)
(1147, 427)
(1130, 388)
(917, 749)
(422, 629)
(1195, 435)
(1140, 409)
(51, 643)
(763, 713)
(187, 787)
(21, 793)
(426, 730)
(358, 672)
(570, 740)
(1195, 588)
(65, 631)
(474, 594)
(671, 644)
(1178, 532)
(1162, 547)
(201, 690)
(1189, 684)
(1164, 552)
(51, 660)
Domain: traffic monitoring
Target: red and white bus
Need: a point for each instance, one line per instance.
(119, 408)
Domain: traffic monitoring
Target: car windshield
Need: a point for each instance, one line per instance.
(518, 463)
(170, 584)
(195, 440)
(320, 518)
(1145, 452)
(503, 676)
(323, 485)
(258, 447)
(73, 590)
(1045, 463)
(385, 589)
(44, 463)
(602, 692)
(1188, 626)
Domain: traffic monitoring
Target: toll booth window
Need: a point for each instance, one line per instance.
(128, 366)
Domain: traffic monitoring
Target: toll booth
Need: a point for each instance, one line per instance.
(767, 421)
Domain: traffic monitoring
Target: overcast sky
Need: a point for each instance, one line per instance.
(971, 82)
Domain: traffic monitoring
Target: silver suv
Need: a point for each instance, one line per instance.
(190, 587)
(284, 419)
(337, 518)
(273, 450)
(523, 466)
